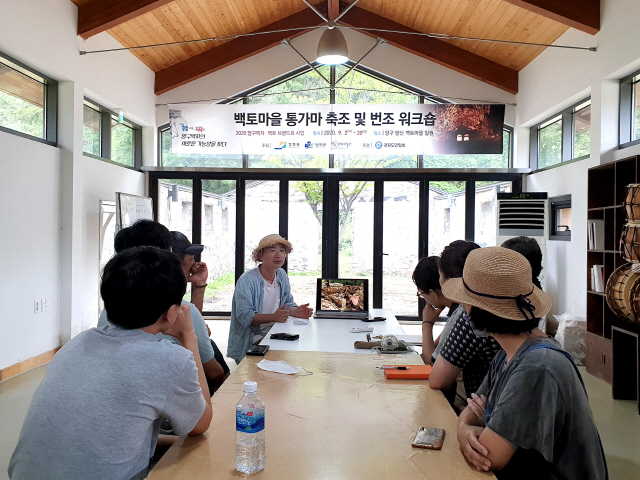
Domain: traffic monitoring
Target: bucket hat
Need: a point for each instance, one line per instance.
(270, 241)
(498, 280)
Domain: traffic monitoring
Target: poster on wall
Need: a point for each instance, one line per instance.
(131, 208)
(417, 129)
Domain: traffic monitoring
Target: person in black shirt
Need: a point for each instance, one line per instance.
(463, 351)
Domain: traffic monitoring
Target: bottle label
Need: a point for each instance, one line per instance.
(250, 421)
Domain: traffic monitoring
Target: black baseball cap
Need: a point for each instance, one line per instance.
(181, 244)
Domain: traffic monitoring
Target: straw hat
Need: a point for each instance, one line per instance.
(498, 280)
(270, 241)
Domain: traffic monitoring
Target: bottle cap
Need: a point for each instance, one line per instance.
(250, 387)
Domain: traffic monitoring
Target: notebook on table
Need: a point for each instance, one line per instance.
(346, 298)
(413, 372)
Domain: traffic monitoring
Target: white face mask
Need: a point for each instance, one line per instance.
(279, 367)
(481, 333)
(478, 333)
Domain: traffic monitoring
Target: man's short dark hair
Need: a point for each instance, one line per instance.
(528, 248)
(143, 233)
(453, 257)
(487, 321)
(426, 275)
(140, 284)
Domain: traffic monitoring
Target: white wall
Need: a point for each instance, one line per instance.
(566, 268)
(29, 247)
(54, 211)
(554, 80)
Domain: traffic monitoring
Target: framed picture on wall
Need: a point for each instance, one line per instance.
(131, 208)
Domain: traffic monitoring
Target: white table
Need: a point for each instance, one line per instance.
(331, 334)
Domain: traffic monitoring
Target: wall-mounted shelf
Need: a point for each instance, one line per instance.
(606, 359)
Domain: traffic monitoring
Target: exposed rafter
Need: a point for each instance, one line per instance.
(435, 50)
(100, 15)
(233, 51)
(580, 14)
(333, 9)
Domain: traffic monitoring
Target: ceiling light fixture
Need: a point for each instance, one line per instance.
(332, 48)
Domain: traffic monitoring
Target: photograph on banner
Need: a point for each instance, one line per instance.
(415, 129)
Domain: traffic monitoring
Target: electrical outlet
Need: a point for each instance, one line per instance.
(36, 307)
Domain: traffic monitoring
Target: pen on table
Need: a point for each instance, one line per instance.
(392, 367)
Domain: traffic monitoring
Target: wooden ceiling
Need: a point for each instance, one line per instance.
(145, 22)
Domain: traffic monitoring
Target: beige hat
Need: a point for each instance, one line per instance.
(498, 280)
(270, 241)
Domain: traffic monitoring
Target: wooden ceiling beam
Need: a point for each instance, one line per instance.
(580, 14)
(435, 50)
(234, 51)
(333, 9)
(100, 15)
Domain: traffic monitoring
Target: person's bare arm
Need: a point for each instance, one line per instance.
(183, 330)
(499, 449)
(303, 311)
(443, 374)
(280, 316)
(197, 296)
(214, 373)
(430, 315)
(198, 279)
(469, 430)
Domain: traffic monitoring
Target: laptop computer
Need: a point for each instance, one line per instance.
(342, 298)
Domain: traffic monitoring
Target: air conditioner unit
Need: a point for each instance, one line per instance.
(524, 214)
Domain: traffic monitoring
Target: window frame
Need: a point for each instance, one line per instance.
(566, 117)
(421, 94)
(558, 203)
(50, 129)
(626, 119)
(331, 180)
(106, 115)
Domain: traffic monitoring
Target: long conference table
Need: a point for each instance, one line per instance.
(342, 420)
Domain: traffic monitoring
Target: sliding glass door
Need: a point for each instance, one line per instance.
(359, 224)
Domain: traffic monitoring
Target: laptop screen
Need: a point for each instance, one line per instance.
(342, 295)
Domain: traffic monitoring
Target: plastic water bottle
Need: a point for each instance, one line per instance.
(250, 431)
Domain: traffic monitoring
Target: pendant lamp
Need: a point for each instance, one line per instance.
(332, 48)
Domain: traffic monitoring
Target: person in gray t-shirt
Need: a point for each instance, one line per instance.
(97, 412)
(147, 233)
(530, 418)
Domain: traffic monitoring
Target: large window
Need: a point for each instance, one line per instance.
(91, 129)
(630, 110)
(562, 138)
(371, 224)
(360, 86)
(109, 136)
(28, 102)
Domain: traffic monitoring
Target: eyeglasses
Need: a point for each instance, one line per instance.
(420, 295)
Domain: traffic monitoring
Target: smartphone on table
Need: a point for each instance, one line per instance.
(431, 438)
(258, 350)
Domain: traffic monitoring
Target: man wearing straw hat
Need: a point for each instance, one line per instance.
(262, 297)
(530, 417)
